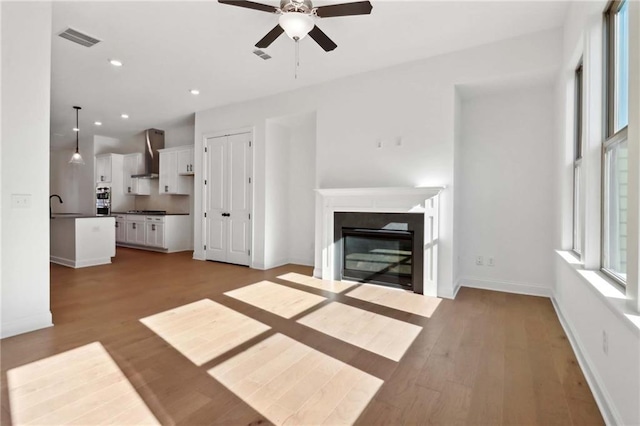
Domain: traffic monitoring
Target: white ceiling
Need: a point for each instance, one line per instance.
(171, 47)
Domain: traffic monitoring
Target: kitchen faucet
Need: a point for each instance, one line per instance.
(50, 197)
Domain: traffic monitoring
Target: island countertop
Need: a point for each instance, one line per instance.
(76, 216)
(141, 213)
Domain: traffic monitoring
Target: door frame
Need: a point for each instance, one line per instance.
(205, 174)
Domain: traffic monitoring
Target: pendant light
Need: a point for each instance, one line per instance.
(76, 158)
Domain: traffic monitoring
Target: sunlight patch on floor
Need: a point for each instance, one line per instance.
(204, 330)
(326, 285)
(396, 298)
(82, 386)
(275, 298)
(382, 335)
(291, 383)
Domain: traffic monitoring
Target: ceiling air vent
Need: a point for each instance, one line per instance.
(261, 54)
(78, 37)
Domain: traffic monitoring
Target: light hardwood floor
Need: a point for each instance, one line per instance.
(165, 320)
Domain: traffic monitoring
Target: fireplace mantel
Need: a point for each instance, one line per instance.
(380, 200)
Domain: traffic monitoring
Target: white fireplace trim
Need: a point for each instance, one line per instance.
(378, 200)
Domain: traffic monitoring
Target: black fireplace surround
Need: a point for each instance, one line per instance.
(382, 248)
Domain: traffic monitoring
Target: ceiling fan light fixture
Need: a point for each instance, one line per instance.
(296, 24)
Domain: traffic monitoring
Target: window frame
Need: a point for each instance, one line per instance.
(611, 138)
(578, 147)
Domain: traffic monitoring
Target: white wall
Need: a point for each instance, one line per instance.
(67, 181)
(506, 189)
(588, 305)
(414, 101)
(26, 88)
(179, 133)
(276, 250)
(302, 182)
(289, 188)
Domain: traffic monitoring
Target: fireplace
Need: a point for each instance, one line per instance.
(381, 248)
(412, 210)
(379, 256)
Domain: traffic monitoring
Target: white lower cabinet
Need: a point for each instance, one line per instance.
(121, 228)
(154, 232)
(135, 230)
(168, 233)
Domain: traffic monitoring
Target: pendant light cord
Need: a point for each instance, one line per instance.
(78, 131)
(77, 108)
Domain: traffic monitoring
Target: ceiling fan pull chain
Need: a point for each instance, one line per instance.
(297, 58)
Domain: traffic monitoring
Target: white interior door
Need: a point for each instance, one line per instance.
(238, 210)
(227, 199)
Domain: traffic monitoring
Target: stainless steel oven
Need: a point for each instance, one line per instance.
(103, 201)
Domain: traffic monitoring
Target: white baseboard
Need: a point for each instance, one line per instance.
(303, 262)
(93, 262)
(198, 255)
(317, 273)
(25, 325)
(258, 265)
(449, 293)
(607, 409)
(62, 261)
(276, 264)
(505, 286)
(79, 263)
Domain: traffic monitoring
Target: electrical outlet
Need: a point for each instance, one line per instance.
(605, 342)
(479, 261)
(491, 261)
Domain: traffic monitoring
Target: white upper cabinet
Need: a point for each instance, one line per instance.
(175, 164)
(103, 168)
(185, 161)
(133, 165)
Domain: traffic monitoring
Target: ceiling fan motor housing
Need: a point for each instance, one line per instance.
(297, 18)
(301, 6)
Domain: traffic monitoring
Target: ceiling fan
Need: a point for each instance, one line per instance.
(297, 19)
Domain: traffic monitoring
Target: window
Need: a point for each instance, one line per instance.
(615, 161)
(577, 163)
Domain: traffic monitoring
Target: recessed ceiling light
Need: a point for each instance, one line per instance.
(98, 123)
(194, 91)
(115, 62)
(75, 129)
(125, 116)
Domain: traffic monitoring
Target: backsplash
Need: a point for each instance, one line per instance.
(170, 203)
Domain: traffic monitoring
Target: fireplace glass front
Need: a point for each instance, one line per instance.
(377, 255)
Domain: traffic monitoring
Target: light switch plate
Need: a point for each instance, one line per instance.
(21, 201)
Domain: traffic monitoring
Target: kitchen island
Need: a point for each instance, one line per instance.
(78, 241)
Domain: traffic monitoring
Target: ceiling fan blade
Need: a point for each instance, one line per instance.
(322, 39)
(270, 37)
(345, 9)
(250, 5)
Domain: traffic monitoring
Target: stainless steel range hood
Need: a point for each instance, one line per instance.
(154, 140)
